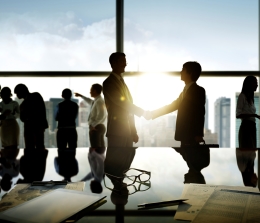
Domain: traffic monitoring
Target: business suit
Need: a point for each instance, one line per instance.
(66, 117)
(121, 111)
(191, 111)
(33, 114)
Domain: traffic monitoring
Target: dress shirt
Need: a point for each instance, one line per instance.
(13, 106)
(98, 111)
(243, 107)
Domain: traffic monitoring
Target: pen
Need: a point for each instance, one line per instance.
(48, 183)
(163, 203)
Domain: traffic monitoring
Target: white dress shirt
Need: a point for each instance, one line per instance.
(243, 107)
(98, 112)
(13, 106)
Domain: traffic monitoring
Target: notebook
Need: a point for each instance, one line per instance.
(55, 206)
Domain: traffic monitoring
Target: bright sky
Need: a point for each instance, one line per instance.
(159, 36)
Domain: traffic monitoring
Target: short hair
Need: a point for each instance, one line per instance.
(6, 91)
(194, 69)
(115, 56)
(98, 88)
(66, 93)
(20, 88)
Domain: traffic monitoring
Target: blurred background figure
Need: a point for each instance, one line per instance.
(96, 157)
(97, 116)
(245, 163)
(9, 168)
(9, 127)
(33, 165)
(66, 114)
(66, 163)
(33, 115)
(246, 112)
(196, 158)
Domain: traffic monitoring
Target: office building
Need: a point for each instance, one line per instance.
(222, 121)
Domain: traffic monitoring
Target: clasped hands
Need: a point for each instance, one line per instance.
(148, 115)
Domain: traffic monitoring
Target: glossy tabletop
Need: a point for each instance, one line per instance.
(169, 169)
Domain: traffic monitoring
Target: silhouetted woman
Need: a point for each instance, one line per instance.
(10, 112)
(246, 112)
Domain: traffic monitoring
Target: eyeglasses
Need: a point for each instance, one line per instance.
(125, 189)
(128, 179)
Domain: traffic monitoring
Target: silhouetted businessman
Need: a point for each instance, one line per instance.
(190, 105)
(121, 131)
(67, 112)
(33, 114)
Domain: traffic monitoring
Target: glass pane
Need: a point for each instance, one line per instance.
(56, 35)
(162, 35)
(221, 126)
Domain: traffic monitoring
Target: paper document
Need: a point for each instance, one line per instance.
(197, 195)
(230, 206)
(25, 192)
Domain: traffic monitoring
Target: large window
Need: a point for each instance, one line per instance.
(162, 35)
(56, 35)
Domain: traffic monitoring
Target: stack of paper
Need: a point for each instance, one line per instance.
(198, 195)
(25, 192)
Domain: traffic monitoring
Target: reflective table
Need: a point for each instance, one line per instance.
(160, 175)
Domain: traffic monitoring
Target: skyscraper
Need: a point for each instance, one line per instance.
(222, 121)
(206, 125)
(238, 121)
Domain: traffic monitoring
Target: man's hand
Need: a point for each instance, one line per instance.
(148, 115)
(78, 95)
(199, 139)
(135, 138)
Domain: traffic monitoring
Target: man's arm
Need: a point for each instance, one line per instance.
(167, 109)
(112, 93)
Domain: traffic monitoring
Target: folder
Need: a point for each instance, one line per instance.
(55, 206)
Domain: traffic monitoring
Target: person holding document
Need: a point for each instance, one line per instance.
(190, 105)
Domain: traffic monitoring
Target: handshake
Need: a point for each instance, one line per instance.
(148, 115)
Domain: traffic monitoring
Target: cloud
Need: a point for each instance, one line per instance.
(62, 41)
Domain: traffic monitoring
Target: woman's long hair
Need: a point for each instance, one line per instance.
(247, 89)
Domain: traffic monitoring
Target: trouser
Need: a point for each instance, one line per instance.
(34, 138)
(120, 141)
(96, 137)
(67, 136)
(247, 134)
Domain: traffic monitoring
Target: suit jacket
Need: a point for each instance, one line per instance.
(120, 108)
(33, 112)
(67, 114)
(191, 112)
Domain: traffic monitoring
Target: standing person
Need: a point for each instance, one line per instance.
(9, 127)
(33, 114)
(121, 131)
(97, 116)
(246, 112)
(67, 112)
(190, 105)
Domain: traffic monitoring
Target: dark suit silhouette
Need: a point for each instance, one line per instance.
(66, 117)
(121, 111)
(191, 111)
(33, 114)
